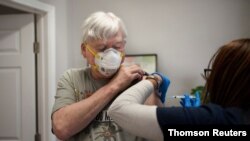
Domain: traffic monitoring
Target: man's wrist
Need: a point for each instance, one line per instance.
(155, 79)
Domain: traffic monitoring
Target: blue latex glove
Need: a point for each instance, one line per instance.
(191, 102)
(163, 87)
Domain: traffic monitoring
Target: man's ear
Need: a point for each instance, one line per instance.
(83, 50)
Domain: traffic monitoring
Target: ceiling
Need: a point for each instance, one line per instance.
(8, 10)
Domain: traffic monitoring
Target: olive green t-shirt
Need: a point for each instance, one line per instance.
(77, 84)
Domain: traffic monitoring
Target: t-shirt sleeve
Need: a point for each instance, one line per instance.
(65, 93)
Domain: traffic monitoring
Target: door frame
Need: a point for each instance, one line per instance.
(46, 59)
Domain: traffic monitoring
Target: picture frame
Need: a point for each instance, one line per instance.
(148, 62)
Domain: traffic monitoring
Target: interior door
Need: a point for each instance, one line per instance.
(17, 78)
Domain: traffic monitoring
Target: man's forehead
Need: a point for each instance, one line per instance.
(108, 41)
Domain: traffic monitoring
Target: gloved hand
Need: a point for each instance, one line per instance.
(191, 102)
(163, 87)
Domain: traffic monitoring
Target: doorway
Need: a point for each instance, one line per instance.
(15, 75)
(17, 79)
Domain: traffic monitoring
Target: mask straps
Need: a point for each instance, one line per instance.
(88, 47)
(92, 51)
(122, 55)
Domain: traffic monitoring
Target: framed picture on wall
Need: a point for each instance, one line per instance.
(148, 62)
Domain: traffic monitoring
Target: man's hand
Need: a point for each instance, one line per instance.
(126, 75)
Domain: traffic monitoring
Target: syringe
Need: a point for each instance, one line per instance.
(182, 96)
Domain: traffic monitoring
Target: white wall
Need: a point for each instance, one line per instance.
(184, 33)
(62, 41)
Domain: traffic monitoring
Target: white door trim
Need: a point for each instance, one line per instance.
(46, 59)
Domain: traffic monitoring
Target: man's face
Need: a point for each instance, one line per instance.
(117, 42)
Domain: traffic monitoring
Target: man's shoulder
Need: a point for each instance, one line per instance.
(74, 72)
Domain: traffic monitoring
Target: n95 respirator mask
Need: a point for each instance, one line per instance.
(107, 62)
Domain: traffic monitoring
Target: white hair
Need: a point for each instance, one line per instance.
(101, 25)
